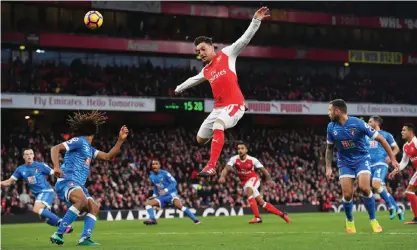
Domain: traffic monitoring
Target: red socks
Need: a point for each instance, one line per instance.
(268, 207)
(412, 198)
(254, 207)
(216, 145)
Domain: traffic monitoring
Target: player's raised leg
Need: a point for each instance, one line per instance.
(368, 199)
(79, 202)
(187, 212)
(41, 207)
(271, 209)
(227, 118)
(346, 182)
(89, 223)
(378, 176)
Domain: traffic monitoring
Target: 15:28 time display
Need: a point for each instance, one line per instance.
(180, 105)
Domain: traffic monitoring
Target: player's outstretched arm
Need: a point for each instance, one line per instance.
(8, 182)
(237, 47)
(190, 82)
(124, 132)
(379, 138)
(404, 162)
(223, 174)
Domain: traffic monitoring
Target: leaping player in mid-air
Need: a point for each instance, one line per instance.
(245, 166)
(408, 133)
(74, 171)
(229, 103)
(349, 133)
(379, 166)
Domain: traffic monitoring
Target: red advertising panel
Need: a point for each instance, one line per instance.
(172, 47)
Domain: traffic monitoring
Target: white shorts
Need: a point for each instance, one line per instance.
(230, 115)
(253, 183)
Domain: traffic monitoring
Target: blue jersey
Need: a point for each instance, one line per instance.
(77, 160)
(377, 152)
(34, 176)
(350, 140)
(163, 180)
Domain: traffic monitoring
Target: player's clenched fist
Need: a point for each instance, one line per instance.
(222, 180)
(58, 172)
(124, 132)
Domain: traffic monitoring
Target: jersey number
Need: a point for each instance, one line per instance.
(72, 140)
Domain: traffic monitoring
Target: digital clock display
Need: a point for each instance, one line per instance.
(180, 105)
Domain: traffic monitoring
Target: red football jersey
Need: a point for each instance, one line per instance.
(245, 169)
(221, 72)
(410, 152)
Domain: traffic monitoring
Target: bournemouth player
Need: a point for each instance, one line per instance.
(379, 166)
(220, 71)
(164, 193)
(409, 154)
(33, 173)
(349, 133)
(245, 166)
(75, 169)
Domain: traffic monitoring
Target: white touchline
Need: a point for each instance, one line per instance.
(281, 233)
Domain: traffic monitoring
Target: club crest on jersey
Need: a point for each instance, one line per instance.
(36, 170)
(352, 131)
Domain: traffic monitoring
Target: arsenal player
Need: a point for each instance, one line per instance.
(229, 103)
(409, 153)
(245, 166)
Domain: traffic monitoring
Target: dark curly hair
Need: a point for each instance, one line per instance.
(86, 124)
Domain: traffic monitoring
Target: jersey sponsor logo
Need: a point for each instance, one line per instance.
(36, 170)
(215, 75)
(352, 131)
(244, 171)
(32, 180)
(347, 144)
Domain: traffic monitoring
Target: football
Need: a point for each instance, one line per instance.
(93, 19)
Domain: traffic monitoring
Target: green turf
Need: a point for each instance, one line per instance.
(308, 231)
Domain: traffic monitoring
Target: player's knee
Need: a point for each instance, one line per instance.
(218, 125)
(376, 185)
(81, 204)
(347, 196)
(365, 190)
(201, 140)
(94, 209)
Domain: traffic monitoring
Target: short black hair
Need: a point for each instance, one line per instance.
(339, 104)
(377, 118)
(203, 39)
(156, 159)
(242, 143)
(86, 124)
(411, 127)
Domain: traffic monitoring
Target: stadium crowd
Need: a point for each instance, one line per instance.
(294, 158)
(149, 80)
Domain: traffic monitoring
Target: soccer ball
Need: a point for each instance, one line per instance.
(93, 19)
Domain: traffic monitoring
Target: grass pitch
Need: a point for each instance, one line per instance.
(308, 231)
